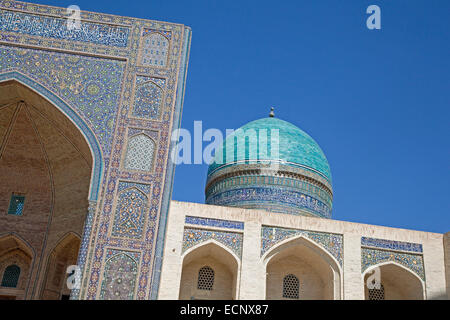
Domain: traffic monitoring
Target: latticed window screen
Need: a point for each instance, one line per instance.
(16, 205)
(11, 276)
(376, 294)
(291, 287)
(205, 278)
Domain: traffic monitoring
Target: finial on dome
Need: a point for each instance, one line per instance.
(272, 113)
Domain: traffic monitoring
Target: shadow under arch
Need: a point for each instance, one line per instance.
(314, 250)
(74, 117)
(397, 273)
(21, 243)
(11, 244)
(62, 255)
(218, 253)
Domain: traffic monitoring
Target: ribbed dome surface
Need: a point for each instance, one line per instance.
(296, 147)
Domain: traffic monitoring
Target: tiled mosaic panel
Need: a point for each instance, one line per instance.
(267, 195)
(331, 242)
(93, 252)
(232, 240)
(148, 97)
(140, 153)
(135, 131)
(390, 244)
(131, 210)
(51, 27)
(155, 47)
(371, 257)
(305, 187)
(215, 222)
(119, 277)
(82, 255)
(90, 85)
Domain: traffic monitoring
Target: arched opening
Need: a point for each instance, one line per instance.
(301, 270)
(62, 256)
(46, 165)
(396, 283)
(210, 272)
(15, 263)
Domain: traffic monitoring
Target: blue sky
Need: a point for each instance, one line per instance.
(376, 101)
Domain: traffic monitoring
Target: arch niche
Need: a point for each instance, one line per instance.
(399, 283)
(221, 282)
(318, 272)
(50, 166)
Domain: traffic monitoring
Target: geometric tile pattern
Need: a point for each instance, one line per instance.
(154, 50)
(215, 223)
(231, 240)
(119, 278)
(140, 152)
(305, 186)
(91, 85)
(148, 97)
(266, 196)
(90, 76)
(131, 210)
(413, 262)
(333, 243)
(391, 245)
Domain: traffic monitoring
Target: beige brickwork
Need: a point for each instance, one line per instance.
(43, 157)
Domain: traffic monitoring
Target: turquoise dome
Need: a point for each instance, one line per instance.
(299, 183)
(296, 148)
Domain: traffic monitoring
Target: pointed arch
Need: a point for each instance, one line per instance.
(15, 251)
(225, 264)
(20, 243)
(62, 255)
(215, 242)
(301, 255)
(269, 254)
(74, 117)
(397, 277)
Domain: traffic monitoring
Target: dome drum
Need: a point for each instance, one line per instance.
(298, 184)
(278, 193)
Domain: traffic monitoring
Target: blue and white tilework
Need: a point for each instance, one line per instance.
(119, 277)
(215, 223)
(248, 196)
(372, 257)
(391, 245)
(148, 97)
(131, 210)
(90, 85)
(375, 251)
(231, 240)
(333, 243)
(91, 76)
(155, 47)
(51, 27)
(140, 153)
